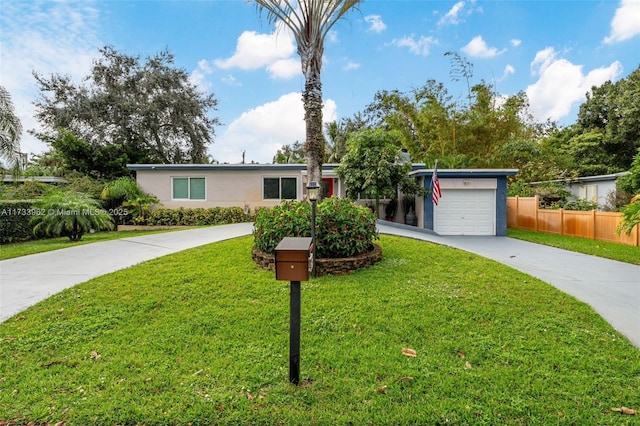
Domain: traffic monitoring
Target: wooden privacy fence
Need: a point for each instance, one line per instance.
(523, 213)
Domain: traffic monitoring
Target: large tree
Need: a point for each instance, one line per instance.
(432, 126)
(151, 108)
(309, 22)
(10, 129)
(374, 167)
(606, 136)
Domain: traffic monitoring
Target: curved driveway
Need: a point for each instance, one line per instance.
(612, 288)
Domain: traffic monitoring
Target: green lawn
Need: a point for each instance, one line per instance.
(9, 251)
(615, 251)
(201, 337)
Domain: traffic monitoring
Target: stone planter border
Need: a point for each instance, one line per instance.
(337, 266)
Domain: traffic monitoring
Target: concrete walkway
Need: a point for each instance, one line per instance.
(611, 288)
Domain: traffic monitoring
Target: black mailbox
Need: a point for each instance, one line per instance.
(292, 259)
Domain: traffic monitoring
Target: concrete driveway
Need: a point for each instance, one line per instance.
(611, 288)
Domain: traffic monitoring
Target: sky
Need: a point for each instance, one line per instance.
(554, 51)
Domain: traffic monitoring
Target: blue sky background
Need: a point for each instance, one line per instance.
(553, 50)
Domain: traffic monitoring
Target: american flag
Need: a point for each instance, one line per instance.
(435, 186)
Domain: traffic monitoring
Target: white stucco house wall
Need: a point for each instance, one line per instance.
(594, 188)
(228, 185)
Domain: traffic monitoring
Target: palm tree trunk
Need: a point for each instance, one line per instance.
(314, 145)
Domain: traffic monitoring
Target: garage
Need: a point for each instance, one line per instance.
(473, 201)
(465, 212)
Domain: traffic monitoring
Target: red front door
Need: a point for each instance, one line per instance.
(327, 187)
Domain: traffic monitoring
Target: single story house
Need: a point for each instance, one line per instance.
(594, 188)
(228, 185)
(589, 188)
(474, 201)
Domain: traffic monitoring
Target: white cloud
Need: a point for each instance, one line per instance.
(265, 129)
(543, 59)
(516, 42)
(198, 76)
(284, 68)
(421, 46)
(271, 51)
(508, 70)
(452, 17)
(230, 80)
(350, 66)
(477, 48)
(49, 38)
(377, 26)
(626, 22)
(562, 84)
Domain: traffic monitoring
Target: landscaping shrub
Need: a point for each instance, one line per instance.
(69, 214)
(195, 217)
(289, 219)
(28, 190)
(581, 205)
(343, 229)
(14, 220)
(630, 216)
(126, 202)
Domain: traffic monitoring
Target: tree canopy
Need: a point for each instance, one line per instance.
(139, 110)
(373, 167)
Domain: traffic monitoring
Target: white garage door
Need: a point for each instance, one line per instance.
(465, 212)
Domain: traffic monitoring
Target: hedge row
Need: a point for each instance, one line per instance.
(14, 220)
(195, 217)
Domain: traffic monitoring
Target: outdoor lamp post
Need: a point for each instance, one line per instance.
(313, 192)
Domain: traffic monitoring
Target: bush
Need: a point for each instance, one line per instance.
(343, 229)
(195, 217)
(630, 216)
(289, 219)
(581, 205)
(28, 190)
(69, 214)
(14, 220)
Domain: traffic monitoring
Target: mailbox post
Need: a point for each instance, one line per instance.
(292, 264)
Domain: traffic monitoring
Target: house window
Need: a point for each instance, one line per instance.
(588, 192)
(188, 188)
(280, 188)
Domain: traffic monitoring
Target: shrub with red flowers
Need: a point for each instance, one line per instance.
(343, 229)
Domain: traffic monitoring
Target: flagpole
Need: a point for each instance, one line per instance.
(434, 168)
(435, 185)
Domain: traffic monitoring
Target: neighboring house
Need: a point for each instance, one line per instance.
(474, 202)
(589, 188)
(42, 179)
(594, 188)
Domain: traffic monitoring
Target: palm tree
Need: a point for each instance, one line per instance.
(338, 134)
(310, 22)
(10, 130)
(69, 214)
